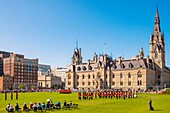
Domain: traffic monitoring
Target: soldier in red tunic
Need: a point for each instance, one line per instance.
(95, 94)
(79, 95)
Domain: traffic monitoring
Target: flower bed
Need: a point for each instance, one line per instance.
(64, 91)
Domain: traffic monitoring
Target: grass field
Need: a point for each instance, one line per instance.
(161, 103)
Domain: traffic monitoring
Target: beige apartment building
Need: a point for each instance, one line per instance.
(46, 78)
(103, 72)
(60, 72)
(47, 81)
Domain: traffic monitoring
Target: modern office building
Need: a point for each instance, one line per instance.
(44, 69)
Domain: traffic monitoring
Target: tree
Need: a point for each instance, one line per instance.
(21, 86)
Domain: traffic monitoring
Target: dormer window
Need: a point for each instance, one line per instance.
(90, 68)
(78, 68)
(84, 68)
(130, 65)
(122, 66)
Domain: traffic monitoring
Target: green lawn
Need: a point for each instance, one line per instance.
(161, 103)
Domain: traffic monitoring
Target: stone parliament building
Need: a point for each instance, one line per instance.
(102, 72)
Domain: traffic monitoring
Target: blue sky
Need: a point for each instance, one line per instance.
(48, 29)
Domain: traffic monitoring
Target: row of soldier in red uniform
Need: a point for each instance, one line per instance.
(106, 94)
(11, 95)
(85, 95)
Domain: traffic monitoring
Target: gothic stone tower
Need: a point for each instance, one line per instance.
(157, 45)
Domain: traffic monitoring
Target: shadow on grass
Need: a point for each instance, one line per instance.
(156, 110)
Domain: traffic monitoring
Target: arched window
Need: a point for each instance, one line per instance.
(129, 75)
(77, 83)
(88, 76)
(156, 54)
(158, 82)
(83, 83)
(89, 83)
(113, 76)
(113, 82)
(121, 76)
(140, 82)
(121, 82)
(129, 83)
(77, 76)
(93, 76)
(83, 76)
(69, 83)
(98, 75)
(69, 76)
(159, 76)
(139, 74)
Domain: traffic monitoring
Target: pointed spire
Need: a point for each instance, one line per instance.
(157, 14)
(157, 28)
(76, 43)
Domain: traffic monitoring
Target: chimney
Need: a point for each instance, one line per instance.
(119, 60)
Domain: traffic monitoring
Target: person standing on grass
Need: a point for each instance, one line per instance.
(5, 95)
(79, 95)
(17, 95)
(11, 95)
(150, 105)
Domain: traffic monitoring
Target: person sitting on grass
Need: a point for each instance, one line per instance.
(34, 107)
(71, 104)
(64, 104)
(7, 107)
(58, 105)
(39, 107)
(17, 108)
(25, 108)
(11, 109)
(31, 104)
(51, 104)
(43, 105)
(48, 105)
